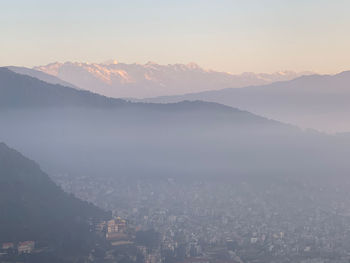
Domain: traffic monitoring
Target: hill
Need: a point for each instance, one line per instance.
(34, 208)
(22, 91)
(316, 101)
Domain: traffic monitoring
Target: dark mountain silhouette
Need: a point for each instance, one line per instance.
(22, 91)
(315, 101)
(34, 208)
(83, 134)
(19, 91)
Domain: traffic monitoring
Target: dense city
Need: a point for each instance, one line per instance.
(194, 221)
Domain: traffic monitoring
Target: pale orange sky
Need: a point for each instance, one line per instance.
(225, 35)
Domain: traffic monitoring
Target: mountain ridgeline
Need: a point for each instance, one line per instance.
(22, 91)
(151, 79)
(79, 133)
(316, 101)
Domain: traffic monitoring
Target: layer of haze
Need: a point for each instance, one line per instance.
(226, 35)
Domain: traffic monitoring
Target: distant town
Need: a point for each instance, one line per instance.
(172, 221)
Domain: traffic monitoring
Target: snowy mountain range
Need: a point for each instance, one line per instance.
(117, 80)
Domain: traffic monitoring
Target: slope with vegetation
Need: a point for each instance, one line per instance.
(34, 208)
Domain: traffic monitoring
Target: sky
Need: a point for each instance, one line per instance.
(225, 35)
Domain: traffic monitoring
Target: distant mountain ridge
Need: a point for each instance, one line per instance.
(118, 80)
(19, 91)
(316, 101)
(22, 91)
(79, 133)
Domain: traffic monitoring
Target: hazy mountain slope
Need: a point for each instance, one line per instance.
(319, 102)
(34, 208)
(140, 81)
(40, 75)
(191, 140)
(21, 91)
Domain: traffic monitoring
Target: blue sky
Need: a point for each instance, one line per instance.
(233, 36)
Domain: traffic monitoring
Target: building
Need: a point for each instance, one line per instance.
(116, 225)
(25, 247)
(8, 245)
